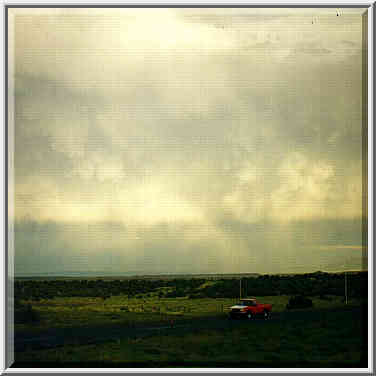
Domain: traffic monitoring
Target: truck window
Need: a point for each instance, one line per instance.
(248, 303)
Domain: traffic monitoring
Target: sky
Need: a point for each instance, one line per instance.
(154, 141)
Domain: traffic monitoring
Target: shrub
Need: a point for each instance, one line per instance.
(325, 297)
(299, 301)
(25, 315)
(197, 296)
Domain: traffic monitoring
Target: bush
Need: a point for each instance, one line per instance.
(25, 315)
(197, 296)
(299, 301)
(325, 297)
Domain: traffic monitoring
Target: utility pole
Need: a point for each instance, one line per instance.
(346, 287)
(240, 288)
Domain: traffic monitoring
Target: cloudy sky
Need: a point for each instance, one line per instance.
(187, 140)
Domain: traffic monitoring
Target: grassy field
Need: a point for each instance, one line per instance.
(330, 333)
(79, 311)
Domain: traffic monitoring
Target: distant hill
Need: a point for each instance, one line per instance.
(167, 276)
(130, 275)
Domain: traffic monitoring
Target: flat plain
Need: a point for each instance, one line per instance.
(157, 328)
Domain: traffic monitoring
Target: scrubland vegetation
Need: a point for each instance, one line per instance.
(330, 332)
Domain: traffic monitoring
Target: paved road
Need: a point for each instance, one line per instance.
(89, 335)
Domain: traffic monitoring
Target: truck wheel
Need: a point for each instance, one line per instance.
(249, 316)
(266, 315)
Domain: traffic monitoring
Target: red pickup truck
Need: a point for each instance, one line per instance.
(250, 308)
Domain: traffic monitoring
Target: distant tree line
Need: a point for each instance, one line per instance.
(48, 289)
(312, 284)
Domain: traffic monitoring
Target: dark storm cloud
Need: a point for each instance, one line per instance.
(269, 247)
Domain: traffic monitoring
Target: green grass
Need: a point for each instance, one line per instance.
(82, 311)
